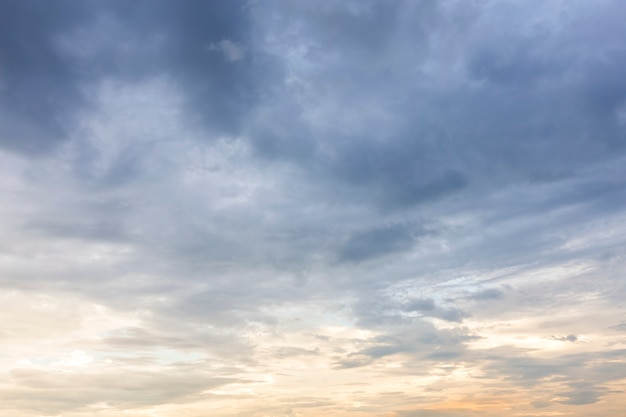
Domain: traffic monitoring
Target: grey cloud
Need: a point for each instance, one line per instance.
(428, 308)
(53, 52)
(376, 352)
(219, 90)
(582, 375)
(416, 339)
(379, 311)
(583, 393)
(398, 170)
(362, 32)
(450, 314)
(420, 158)
(379, 241)
(489, 294)
(529, 371)
(619, 327)
(40, 82)
(420, 304)
(443, 141)
(397, 175)
(84, 229)
(581, 397)
(568, 338)
(448, 353)
(540, 404)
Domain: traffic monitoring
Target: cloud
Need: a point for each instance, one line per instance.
(568, 338)
(420, 304)
(205, 205)
(74, 45)
(40, 82)
(379, 241)
(580, 397)
(74, 392)
(231, 50)
(489, 294)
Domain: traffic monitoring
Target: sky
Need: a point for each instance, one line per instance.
(356, 208)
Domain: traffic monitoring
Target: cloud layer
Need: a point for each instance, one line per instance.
(365, 208)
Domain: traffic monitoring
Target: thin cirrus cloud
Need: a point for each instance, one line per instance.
(367, 208)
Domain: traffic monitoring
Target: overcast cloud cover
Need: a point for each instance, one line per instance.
(312, 208)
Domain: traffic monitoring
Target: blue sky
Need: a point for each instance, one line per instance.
(304, 208)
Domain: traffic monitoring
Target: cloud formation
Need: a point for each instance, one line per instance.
(368, 208)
